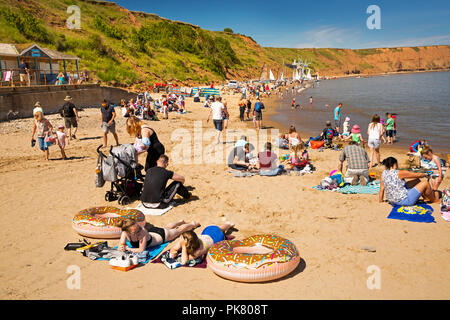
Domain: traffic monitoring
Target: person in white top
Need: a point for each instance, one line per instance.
(216, 110)
(375, 132)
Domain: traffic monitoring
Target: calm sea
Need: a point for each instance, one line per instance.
(420, 100)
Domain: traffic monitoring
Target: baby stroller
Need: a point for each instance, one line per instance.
(122, 169)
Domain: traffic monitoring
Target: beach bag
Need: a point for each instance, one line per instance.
(445, 204)
(49, 139)
(316, 144)
(109, 169)
(98, 178)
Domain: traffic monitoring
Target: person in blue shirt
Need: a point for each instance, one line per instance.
(337, 116)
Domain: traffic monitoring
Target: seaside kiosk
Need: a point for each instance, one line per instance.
(44, 64)
(8, 62)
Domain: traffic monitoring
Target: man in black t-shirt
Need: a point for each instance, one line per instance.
(155, 194)
(108, 123)
(24, 72)
(70, 114)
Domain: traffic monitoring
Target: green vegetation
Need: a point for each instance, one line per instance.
(125, 48)
(417, 49)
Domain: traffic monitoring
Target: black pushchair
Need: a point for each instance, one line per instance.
(123, 171)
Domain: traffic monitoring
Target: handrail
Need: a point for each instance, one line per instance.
(47, 76)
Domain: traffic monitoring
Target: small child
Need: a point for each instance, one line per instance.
(435, 162)
(346, 127)
(383, 138)
(62, 140)
(356, 135)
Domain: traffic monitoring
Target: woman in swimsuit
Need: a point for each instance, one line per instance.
(142, 238)
(149, 139)
(294, 137)
(193, 246)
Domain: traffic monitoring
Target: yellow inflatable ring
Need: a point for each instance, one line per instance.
(255, 259)
(101, 222)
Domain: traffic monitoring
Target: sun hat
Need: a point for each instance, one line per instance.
(67, 98)
(356, 129)
(61, 126)
(37, 109)
(347, 119)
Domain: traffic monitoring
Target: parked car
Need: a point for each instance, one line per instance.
(233, 84)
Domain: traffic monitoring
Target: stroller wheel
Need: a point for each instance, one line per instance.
(124, 200)
(109, 196)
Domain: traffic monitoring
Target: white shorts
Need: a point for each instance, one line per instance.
(373, 143)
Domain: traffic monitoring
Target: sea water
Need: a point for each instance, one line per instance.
(420, 100)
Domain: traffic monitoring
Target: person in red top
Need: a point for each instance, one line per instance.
(267, 162)
(394, 116)
(212, 85)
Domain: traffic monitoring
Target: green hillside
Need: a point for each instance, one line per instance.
(126, 48)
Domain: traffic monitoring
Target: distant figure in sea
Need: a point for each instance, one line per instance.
(337, 117)
(389, 129)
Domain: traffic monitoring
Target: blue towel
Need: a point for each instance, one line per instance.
(146, 255)
(416, 213)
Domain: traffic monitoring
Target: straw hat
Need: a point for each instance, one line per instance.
(356, 129)
(67, 98)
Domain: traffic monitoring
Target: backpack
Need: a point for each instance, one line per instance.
(329, 133)
(258, 107)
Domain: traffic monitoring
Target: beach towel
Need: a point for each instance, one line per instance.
(417, 213)
(370, 188)
(153, 212)
(145, 256)
(176, 263)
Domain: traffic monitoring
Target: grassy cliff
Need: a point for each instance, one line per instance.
(128, 48)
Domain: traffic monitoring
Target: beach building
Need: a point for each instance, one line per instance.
(44, 64)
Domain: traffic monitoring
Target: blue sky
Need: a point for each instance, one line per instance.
(313, 24)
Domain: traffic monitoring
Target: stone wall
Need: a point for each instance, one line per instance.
(51, 98)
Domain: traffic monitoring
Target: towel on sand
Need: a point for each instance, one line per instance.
(146, 255)
(418, 213)
(176, 263)
(153, 212)
(370, 188)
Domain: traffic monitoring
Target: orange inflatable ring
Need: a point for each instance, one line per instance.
(255, 259)
(100, 222)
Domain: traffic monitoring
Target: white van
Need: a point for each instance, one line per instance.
(233, 84)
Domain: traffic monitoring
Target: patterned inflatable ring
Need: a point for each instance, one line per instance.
(101, 222)
(258, 258)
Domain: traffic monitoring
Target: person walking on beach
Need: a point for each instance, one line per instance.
(108, 123)
(375, 132)
(70, 115)
(249, 108)
(310, 101)
(216, 111)
(42, 128)
(259, 106)
(337, 117)
(242, 105)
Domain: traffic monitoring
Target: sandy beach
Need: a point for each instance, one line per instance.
(39, 200)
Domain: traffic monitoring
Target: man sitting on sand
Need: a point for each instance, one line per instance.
(357, 164)
(155, 195)
(238, 159)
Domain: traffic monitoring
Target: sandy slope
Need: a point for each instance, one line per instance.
(39, 200)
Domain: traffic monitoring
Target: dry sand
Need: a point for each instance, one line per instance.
(329, 229)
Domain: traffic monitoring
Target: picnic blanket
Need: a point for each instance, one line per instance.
(371, 188)
(146, 255)
(417, 213)
(153, 212)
